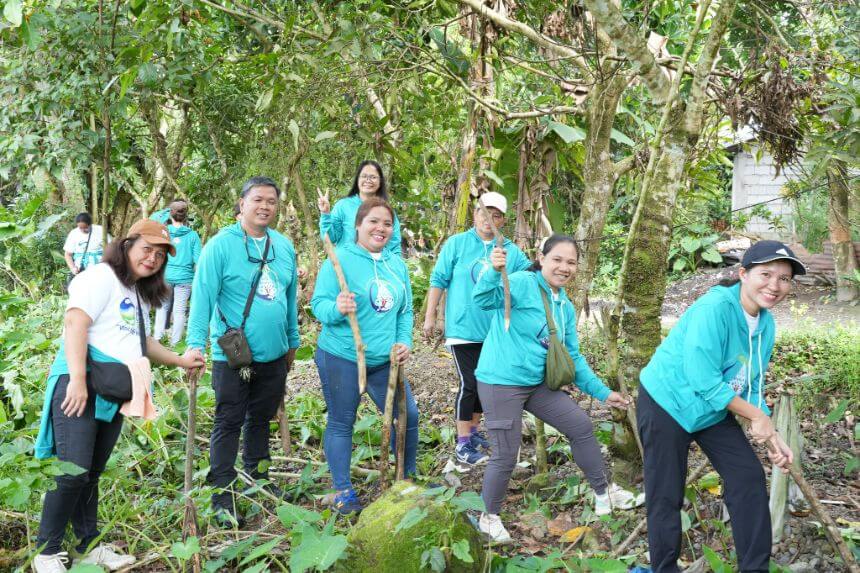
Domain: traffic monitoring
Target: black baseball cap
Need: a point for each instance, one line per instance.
(767, 251)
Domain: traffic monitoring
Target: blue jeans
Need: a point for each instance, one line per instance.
(340, 388)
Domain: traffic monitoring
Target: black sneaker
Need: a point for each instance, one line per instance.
(226, 514)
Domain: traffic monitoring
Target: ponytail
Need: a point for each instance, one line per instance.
(549, 244)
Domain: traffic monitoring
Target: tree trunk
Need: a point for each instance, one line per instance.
(838, 218)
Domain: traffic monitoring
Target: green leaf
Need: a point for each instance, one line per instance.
(316, 551)
(469, 500)
(12, 11)
(412, 517)
(490, 174)
(260, 550)
(568, 133)
(852, 465)
(679, 264)
(69, 469)
(290, 514)
(712, 255)
(305, 353)
(16, 494)
(323, 135)
(690, 244)
(187, 549)
(147, 73)
(621, 138)
(435, 558)
(461, 551)
(836, 413)
(264, 100)
(686, 522)
(86, 568)
(717, 564)
(294, 129)
(30, 34)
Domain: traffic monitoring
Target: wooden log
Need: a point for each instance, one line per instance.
(388, 417)
(189, 523)
(500, 241)
(400, 442)
(785, 421)
(353, 319)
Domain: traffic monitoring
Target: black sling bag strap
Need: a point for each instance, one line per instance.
(86, 248)
(233, 342)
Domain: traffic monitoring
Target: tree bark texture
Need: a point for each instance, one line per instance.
(839, 222)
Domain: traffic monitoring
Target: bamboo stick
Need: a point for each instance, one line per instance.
(540, 447)
(388, 418)
(284, 430)
(353, 319)
(189, 523)
(500, 241)
(400, 441)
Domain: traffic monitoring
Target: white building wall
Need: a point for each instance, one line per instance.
(754, 182)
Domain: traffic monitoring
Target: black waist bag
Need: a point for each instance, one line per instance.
(112, 380)
(233, 342)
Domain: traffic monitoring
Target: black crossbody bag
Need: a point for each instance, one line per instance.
(112, 380)
(233, 342)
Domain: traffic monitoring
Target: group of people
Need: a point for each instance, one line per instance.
(243, 291)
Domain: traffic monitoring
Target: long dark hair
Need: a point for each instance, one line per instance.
(382, 192)
(550, 244)
(151, 289)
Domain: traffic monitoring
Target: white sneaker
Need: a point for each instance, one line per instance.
(616, 497)
(55, 563)
(491, 525)
(108, 555)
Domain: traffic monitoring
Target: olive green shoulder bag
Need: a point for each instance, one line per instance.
(560, 370)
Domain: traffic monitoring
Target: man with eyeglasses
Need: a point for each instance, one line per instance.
(179, 272)
(463, 259)
(246, 257)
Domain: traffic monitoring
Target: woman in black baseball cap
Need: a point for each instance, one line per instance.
(713, 363)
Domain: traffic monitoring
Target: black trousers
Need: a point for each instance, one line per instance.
(666, 446)
(243, 406)
(466, 361)
(87, 443)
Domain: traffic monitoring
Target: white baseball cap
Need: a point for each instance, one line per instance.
(496, 200)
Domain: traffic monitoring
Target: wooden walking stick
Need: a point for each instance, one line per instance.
(500, 241)
(400, 442)
(388, 418)
(189, 524)
(284, 430)
(353, 319)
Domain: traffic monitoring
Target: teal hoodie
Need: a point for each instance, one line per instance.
(222, 281)
(105, 409)
(340, 224)
(518, 357)
(462, 260)
(180, 268)
(710, 357)
(383, 296)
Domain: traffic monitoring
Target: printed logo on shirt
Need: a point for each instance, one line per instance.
(478, 268)
(268, 287)
(738, 384)
(128, 312)
(381, 295)
(543, 336)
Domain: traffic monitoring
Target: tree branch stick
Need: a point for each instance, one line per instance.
(388, 418)
(360, 361)
(500, 241)
(401, 426)
(189, 524)
(284, 431)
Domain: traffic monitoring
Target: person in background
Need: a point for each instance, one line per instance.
(246, 261)
(381, 297)
(104, 315)
(339, 221)
(511, 377)
(712, 365)
(84, 244)
(463, 259)
(180, 271)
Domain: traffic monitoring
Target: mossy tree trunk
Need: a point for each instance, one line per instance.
(839, 222)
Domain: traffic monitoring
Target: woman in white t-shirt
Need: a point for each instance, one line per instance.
(84, 244)
(102, 323)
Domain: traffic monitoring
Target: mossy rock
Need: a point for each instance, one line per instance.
(374, 545)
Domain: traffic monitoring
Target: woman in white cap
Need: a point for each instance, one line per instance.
(463, 259)
(104, 327)
(712, 365)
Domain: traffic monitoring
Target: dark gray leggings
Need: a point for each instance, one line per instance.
(503, 417)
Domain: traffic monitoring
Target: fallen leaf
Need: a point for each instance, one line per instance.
(559, 525)
(575, 534)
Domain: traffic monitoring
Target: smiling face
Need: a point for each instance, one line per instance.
(559, 265)
(144, 259)
(368, 182)
(258, 207)
(765, 285)
(375, 229)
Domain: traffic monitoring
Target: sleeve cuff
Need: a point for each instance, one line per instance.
(719, 399)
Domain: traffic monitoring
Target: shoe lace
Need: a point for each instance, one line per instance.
(58, 561)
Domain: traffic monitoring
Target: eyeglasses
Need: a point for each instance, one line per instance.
(369, 177)
(256, 260)
(159, 254)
